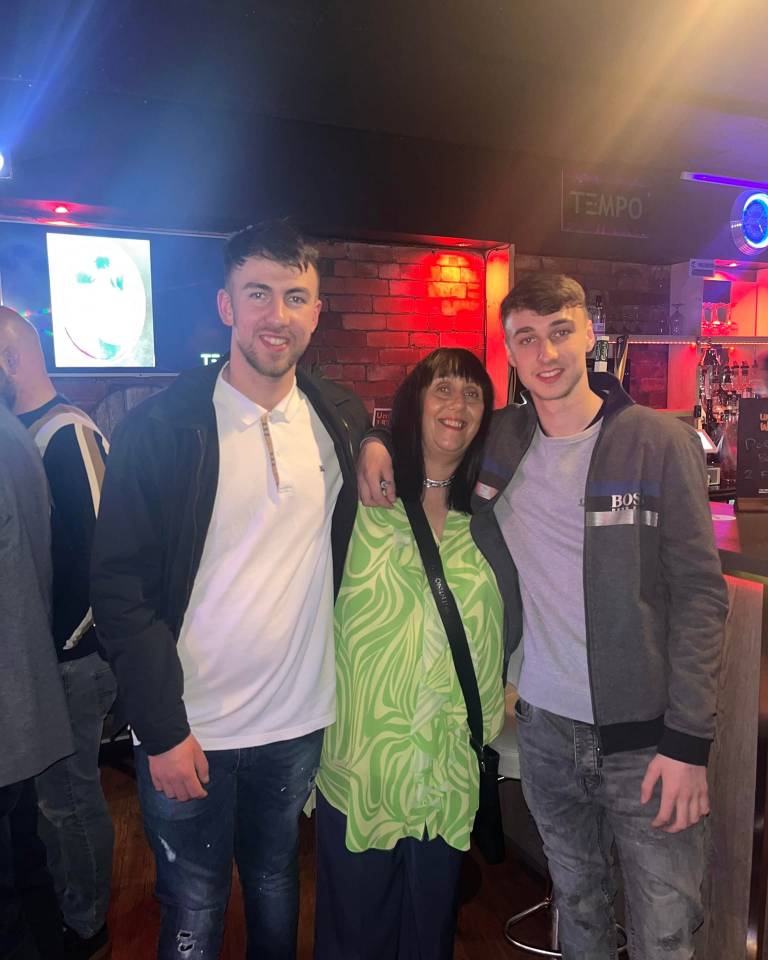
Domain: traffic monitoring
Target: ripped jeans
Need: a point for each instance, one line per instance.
(584, 803)
(255, 796)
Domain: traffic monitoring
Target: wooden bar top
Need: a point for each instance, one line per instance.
(742, 539)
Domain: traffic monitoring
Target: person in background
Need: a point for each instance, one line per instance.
(620, 605)
(34, 726)
(227, 507)
(76, 824)
(398, 781)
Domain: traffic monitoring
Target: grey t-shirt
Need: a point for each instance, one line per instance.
(541, 515)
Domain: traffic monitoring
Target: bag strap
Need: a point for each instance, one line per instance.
(449, 614)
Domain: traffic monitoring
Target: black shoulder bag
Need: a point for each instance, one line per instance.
(487, 831)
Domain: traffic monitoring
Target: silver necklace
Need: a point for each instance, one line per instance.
(431, 484)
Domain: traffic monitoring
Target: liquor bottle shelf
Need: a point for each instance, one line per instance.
(694, 341)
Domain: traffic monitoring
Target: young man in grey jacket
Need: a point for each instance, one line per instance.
(593, 512)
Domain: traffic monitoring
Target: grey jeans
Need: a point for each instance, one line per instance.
(75, 822)
(582, 802)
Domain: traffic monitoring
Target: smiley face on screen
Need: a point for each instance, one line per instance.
(98, 300)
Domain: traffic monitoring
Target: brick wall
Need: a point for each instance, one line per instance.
(636, 296)
(385, 307)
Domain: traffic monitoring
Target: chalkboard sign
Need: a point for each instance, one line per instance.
(752, 454)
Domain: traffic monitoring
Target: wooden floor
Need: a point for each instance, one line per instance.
(134, 916)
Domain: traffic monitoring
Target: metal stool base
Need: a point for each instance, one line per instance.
(548, 904)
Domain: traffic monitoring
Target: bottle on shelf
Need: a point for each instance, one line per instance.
(676, 321)
(746, 385)
(730, 396)
(719, 388)
(598, 315)
(601, 339)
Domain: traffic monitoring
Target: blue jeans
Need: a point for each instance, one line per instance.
(255, 796)
(582, 803)
(75, 823)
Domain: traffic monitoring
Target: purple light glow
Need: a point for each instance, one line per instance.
(724, 181)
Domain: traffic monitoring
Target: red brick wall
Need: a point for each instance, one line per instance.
(636, 296)
(385, 307)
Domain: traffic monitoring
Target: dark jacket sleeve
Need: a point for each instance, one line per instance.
(359, 421)
(127, 574)
(75, 471)
(698, 601)
(382, 435)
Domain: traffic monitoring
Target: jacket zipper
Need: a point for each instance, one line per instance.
(349, 443)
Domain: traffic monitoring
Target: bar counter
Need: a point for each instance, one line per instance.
(735, 883)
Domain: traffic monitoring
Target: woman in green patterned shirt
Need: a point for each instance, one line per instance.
(398, 781)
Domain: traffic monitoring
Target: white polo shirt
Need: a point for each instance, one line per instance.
(256, 644)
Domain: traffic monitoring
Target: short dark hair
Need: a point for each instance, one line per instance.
(543, 293)
(276, 240)
(407, 407)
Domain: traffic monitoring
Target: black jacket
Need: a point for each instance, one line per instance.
(156, 505)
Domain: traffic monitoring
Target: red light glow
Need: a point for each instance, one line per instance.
(497, 280)
(716, 320)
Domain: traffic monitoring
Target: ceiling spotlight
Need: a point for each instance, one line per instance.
(6, 172)
(61, 208)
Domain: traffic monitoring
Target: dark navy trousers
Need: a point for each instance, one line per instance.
(397, 904)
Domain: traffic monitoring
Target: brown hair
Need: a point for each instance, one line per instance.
(543, 293)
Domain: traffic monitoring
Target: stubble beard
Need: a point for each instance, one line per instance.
(277, 368)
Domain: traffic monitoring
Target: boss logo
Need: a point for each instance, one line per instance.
(625, 501)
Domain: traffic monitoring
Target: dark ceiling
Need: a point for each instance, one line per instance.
(124, 102)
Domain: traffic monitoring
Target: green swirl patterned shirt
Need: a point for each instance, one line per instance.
(398, 761)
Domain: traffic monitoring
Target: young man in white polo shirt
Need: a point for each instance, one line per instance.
(225, 516)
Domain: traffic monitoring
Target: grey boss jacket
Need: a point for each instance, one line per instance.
(654, 594)
(34, 722)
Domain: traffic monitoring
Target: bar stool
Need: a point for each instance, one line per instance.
(509, 769)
